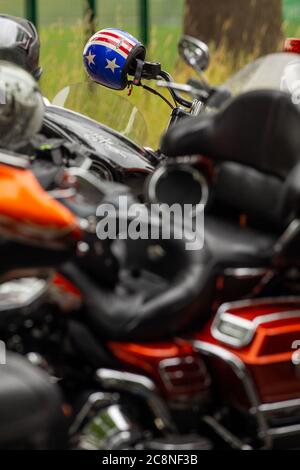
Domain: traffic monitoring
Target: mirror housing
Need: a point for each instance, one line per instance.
(194, 52)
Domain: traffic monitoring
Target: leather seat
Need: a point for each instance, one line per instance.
(231, 245)
(157, 299)
(30, 407)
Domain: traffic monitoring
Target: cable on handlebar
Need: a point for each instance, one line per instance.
(151, 90)
(176, 96)
(154, 92)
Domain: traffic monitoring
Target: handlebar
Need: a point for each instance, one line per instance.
(184, 88)
(176, 96)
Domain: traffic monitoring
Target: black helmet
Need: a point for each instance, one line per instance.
(19, 43)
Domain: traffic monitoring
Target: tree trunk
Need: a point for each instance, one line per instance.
(250, 26)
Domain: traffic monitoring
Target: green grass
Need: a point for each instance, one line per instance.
(62, 44)
(61, 58)
(118, 12)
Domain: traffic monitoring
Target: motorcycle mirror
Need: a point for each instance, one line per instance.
(181, 184)
(194, 52)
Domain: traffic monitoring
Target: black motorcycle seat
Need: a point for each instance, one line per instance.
(259, 129)
(30, 407)
(232, 245)
(147, 305)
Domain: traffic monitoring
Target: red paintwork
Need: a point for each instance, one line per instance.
(65, 294)
(65, 285)
(186, 380)
(113, 43)
(268, 356)
(206, 166)
(292, 45)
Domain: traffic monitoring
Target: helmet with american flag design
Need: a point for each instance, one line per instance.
(110, 56)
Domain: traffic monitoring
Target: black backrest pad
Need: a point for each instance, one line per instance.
(259, 129)
(260, 132)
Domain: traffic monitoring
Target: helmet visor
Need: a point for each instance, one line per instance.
(13, 34)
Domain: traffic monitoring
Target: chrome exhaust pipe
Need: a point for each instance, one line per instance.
(142, 387)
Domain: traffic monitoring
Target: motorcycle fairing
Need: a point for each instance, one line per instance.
(28, 212)
(120, 155)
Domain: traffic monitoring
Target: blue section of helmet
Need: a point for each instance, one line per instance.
(106, 64)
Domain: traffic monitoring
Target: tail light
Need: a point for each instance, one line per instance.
(292, 45)
(175, 367)
(185, 375)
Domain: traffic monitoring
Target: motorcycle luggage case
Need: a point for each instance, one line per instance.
(30, 407)
(253, 352)
(264, 334)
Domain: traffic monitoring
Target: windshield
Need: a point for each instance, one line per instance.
(275, 71)
(105, 106)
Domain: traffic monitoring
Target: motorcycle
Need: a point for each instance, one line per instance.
(105, 132)
(126, 358)
(97, 129)
(175, 370)
(251, 254)
(43, 321)
(250, 344)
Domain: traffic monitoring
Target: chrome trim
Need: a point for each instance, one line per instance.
(264, 300)
(280, 406)
(242, 373)
(117, 430)
(17, 161)
(225, 434)
(258, 409)
(197, 107)
(276, 317)
(239, 322)
(284, 431)
(86, 164)
(245, 273)
(97, 398)
(250, 325)
(287, 236)
(141, 386)
(156, 176)
(264, 281)
(86, 175)
(67, 193)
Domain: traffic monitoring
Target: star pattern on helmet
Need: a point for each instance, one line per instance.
(112, 65)
(90, 58)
